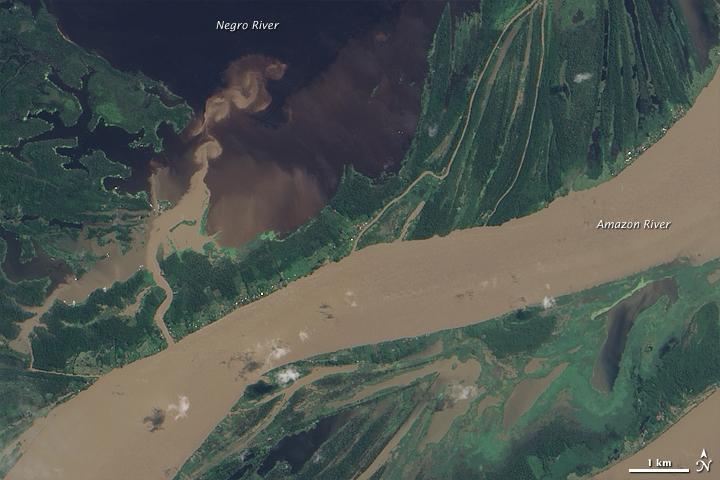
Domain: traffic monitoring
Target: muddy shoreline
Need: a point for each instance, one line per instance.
(390, 291)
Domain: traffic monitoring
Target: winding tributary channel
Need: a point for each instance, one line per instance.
(388, 291)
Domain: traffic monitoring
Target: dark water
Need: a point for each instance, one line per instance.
(361, 110)
(114, 141)
(620, 319)
(704, 30)
(178, 43)
(177, 155)
(350, 93)
(630, 8)
(41, 266)
(606, 40)
(298, 449)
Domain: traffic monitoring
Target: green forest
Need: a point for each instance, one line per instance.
(26, 395)
(52, 93)
(335, 424)
(96, 335)
(523, 102)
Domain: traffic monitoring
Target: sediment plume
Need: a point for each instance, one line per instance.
(254, 195)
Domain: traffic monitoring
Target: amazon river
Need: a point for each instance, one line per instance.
(389, 291)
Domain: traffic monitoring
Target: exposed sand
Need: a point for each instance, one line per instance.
(389, 291)
(682, 444)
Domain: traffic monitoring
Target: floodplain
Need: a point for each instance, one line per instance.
(385, 282)
(552, 422)
(329, 310)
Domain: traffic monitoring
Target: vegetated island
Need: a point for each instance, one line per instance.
(570, 387)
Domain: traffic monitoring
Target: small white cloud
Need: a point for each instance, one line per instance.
(182, 407)
(349, 297)
(303, 335)
(457, 392)
(288, 375)
(581, 77)
(548, 302)
(277, 351)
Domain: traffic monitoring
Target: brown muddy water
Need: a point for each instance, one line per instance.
(352, 97)
(534, 365)
(682, 444)
(714, 277)
(174, 166)
(525, 394)
(112, 267)
(459, 391)
(281, 163)
(620, 319)
(391, 291)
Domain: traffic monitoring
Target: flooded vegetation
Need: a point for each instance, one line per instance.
(534, 365)
(525, 394)
(441, 183)
(353, 98)
(453, 407)
(77, 137)
(238, 188)
(683, 442)
(282, 159)
(96, 335)
(399, 282)
(704, 26)
(297, 449)
(40, 266)
(620, 319)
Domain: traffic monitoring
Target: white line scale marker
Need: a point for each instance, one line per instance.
(659, 470)
(662, 466)
(665, 466)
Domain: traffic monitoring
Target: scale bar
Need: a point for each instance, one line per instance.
(659, 470)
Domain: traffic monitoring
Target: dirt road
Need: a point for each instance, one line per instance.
(388, 291)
